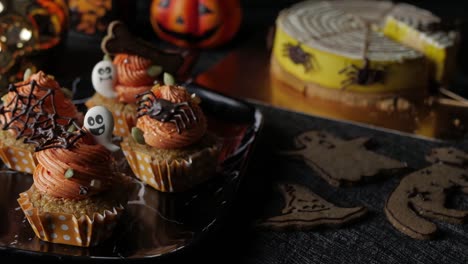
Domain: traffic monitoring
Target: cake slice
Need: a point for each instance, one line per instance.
(421, 30)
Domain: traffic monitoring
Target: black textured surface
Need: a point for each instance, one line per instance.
(369, 240)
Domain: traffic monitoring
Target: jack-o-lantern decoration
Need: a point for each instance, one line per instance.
(196, 23)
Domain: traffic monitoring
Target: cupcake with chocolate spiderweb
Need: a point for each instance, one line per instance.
(170, 148)
(77, 197)
(39, 94)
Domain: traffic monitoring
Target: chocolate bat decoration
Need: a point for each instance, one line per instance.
(120, 40)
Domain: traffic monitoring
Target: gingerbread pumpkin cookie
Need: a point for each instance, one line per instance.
(423, 194)
(304, 210)
(339, 161)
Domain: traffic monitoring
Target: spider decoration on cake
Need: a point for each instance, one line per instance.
(180, 114)
(365, 75)
(299, 56)
(25, 115)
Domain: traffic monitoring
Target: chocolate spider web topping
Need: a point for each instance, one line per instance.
(30, 121)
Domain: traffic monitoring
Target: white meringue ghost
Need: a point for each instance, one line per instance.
(100, 123)
(104, 77)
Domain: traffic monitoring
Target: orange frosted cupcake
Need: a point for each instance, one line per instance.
(170, 148)
(38, 93)
(118, 83)
(76, 197)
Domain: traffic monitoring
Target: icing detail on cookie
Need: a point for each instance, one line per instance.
(304, 210)
(449, 156)
(339, 161)
(422, 194)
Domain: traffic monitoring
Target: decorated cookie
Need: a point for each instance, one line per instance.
(305, 210)
(450, 156)
(339, 161)
(422, 194)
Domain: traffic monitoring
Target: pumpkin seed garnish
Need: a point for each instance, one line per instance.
(154, 70)
(137, 135)
(71, 128)
(27, 73)
(69, 173)
(168, 79)
(67, 93)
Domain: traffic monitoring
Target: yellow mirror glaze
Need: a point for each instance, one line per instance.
(441, 56)
(400, 75)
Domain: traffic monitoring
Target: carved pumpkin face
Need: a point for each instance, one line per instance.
(196, 23)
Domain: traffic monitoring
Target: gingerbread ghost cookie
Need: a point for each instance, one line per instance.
(340, 161)
(304, 210)
(422, 194)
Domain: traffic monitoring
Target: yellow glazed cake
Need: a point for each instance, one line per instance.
(361, 52)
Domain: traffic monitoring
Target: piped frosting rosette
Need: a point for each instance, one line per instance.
(133, 77)
(169, 148)
(41, 93)
(76, 198)
(75, 173)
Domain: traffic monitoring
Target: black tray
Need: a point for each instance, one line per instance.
(155, 224)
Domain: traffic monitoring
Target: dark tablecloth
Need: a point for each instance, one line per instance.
(237, 240)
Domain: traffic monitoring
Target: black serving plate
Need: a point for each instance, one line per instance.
(155, 224)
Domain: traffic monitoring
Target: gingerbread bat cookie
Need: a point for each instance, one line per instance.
(120, 40)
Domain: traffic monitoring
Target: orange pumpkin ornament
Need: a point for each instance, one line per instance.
(196, 23)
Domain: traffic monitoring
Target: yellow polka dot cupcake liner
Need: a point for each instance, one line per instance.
(123, 123)
(174, 175)
(17, 158)
(63, 228)
(124, 119)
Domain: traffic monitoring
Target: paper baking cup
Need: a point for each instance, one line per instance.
(171, 176)
(66, 228)
(123, 122)
(17, 158)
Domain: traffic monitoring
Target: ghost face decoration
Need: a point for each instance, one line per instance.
(103, 78)
(100, 124)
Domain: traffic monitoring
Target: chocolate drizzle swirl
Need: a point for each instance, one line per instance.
(180, 114)
(30, 121)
